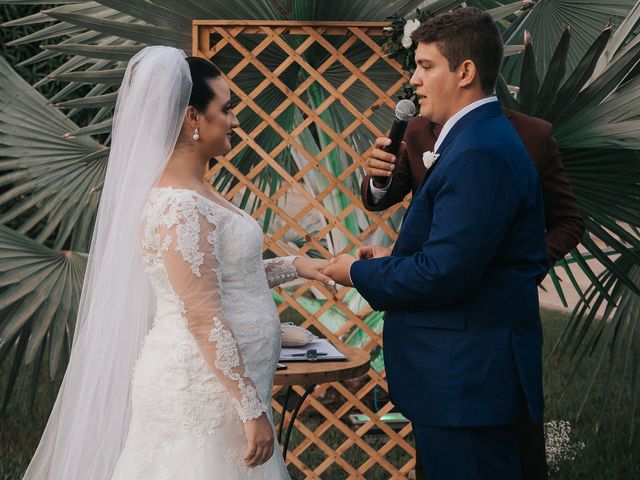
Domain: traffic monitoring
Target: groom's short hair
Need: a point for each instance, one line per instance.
(466, 34)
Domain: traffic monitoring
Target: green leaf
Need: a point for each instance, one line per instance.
(618, 43)
(602, 86)
(32, 301)
(116, 53)
(33, 151)
(153, 14)
(53, 31)
(108, 99)
(546, 21)
(133, 31)
(529, 83)
(555, 73)
(102, 127)
(112, 76)
(503, 11)
(577, 79)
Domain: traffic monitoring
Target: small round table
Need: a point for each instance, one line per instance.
(312, 373)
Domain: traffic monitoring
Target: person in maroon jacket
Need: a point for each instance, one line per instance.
(389, 180)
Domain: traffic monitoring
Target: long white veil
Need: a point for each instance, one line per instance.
(89, 423)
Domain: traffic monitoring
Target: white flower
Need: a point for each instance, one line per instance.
(560, 447)
(409, 28)
(429, 158)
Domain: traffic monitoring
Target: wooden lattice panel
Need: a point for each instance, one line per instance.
(342, 68)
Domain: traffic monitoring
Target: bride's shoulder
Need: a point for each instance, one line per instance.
(172, 205)
(173, 189)
(168, 192)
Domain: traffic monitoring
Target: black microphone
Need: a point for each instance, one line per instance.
(405, 109)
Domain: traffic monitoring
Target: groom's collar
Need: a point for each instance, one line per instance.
(484, 106)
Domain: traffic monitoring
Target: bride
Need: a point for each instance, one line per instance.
(177, 336)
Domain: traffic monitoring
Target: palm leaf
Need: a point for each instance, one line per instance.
(607, 210)
(547, 20)
(46, 178)
(133, 31)
(618, 42)
(38, 302)
(119, 53)
(553, 78)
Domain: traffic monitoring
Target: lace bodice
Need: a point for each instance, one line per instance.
(204, 258)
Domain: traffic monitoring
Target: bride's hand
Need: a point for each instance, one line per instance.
(311, 268)
(260, 441)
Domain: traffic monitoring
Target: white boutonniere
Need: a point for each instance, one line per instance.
(409, 28)
(429, 158)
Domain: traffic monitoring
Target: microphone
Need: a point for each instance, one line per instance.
(405, 109)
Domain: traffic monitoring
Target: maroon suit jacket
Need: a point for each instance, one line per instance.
(564, 225)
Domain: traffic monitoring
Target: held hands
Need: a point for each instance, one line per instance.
(380, 163)
(312, 269)
(339, 269)
(260, 441)
(340, 266)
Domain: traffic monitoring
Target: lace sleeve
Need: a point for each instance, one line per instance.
(280, 270)
(188, 238)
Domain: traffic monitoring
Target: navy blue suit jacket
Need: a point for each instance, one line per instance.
(462, 335)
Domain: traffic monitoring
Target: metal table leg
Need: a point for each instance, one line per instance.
(284, 411)
(294, 415)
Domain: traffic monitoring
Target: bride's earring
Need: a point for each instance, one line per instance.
(196, 134)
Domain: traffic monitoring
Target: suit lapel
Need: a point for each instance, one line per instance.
(487, 110)
(491, 109)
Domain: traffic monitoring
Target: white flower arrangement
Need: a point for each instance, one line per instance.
(409, 28)
(559, 446)
(398, 45)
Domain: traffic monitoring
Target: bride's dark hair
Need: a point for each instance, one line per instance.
(202, 70)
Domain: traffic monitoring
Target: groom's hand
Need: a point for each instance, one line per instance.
(372, 251)
(339, 269)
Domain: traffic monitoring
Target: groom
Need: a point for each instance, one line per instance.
(462, 337)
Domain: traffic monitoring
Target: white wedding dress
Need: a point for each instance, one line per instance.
(207, 364)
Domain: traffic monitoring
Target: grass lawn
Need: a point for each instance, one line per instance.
(607, 454)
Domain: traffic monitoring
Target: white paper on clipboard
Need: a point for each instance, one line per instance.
(321, 345)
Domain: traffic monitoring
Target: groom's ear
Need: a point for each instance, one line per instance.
(467, 74)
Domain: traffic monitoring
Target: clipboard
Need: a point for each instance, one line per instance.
(320, 350)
